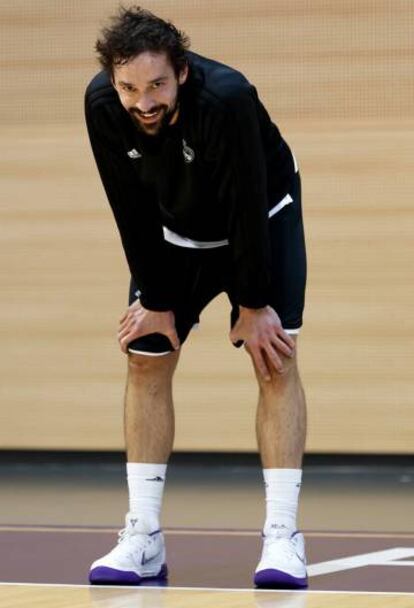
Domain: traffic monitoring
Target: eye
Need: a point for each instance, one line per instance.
(156, 85)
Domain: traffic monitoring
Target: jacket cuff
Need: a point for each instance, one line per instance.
(155, 302)
(257, 300)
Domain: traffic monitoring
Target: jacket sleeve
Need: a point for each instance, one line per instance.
(248, 218)
(137, 216)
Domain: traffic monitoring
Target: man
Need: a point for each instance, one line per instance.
(206, 196)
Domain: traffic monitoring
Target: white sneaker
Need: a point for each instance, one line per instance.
(283, 562)
(137, 556)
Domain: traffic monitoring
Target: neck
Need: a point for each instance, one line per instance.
(174, 117)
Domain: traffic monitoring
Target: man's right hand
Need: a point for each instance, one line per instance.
(138, 321)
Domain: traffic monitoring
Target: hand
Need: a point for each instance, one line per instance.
(262, 331)
(138, 321)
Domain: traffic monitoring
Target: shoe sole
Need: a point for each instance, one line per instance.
(276, 579)
(102, 575)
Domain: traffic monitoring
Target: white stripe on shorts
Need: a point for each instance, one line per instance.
(285, 201)
(295, 163)
(146, 352)
(184, 241)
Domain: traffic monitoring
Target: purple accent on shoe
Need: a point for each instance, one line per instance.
(276, 579)
(102, 575)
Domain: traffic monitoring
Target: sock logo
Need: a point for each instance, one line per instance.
(279, 526)
(158, 478)
(279, 530)
(133, 522)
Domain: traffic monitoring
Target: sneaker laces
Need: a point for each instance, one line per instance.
(122, 534)
(285, 545)
(125, 534)
(133, 543)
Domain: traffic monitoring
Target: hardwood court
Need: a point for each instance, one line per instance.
(49, 565)
(14, 596)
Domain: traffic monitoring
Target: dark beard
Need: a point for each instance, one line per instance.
(160, 126)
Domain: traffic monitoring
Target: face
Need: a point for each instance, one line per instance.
(148, 89)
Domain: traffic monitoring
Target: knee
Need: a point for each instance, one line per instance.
(140, 364)
(152, 370)
(280, 380)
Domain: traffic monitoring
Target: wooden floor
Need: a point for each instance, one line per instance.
(22, 596)
(210, 568)
(76, 506)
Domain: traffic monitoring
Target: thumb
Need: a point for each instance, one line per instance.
(236, 339)
(233, 334)
(173, 338)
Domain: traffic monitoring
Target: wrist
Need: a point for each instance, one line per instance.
(243, 310)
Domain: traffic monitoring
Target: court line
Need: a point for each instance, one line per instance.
(148, 588)
(203, 532)
(93, 528)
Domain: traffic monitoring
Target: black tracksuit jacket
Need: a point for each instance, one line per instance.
(211, 176)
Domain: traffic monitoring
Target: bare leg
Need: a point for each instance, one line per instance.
(149, 410)
(281, 418)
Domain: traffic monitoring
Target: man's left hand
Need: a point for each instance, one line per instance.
(261, 331)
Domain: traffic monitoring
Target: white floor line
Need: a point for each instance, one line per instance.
(147, 588)
(205, 532)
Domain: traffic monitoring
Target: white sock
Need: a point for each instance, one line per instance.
(146, 486)
(282, 487)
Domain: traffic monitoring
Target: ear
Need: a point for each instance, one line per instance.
(182, 77)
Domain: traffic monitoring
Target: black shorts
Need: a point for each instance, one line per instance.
(205, 273)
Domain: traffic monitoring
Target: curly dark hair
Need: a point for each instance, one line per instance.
(135, 30)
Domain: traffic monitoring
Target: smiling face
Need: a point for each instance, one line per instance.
(148, 89)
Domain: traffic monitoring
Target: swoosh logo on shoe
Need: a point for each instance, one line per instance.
(145, 560)
(158, 478)
(302, 559)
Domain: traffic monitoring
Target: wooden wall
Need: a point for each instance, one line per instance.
(336, 76)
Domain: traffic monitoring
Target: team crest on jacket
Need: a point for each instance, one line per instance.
(188, 152)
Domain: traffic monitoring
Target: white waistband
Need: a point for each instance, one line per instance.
(183, 241)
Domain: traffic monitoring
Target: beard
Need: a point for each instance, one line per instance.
(160, 123)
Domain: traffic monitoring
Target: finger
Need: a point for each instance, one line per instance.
(123, 346)
(287, 338)
(134, 306)
(274, 358)
(281, 346)
(125, 330)
(128, 335)
(235, 340)
(173, 338)
(124, 324)
(123, 342)
(128, 315)
(129, 319)
(124, 316)
(259, 362)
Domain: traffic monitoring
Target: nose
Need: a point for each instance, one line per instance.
(145, 103)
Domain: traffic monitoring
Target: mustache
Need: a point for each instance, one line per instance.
(154, 109)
